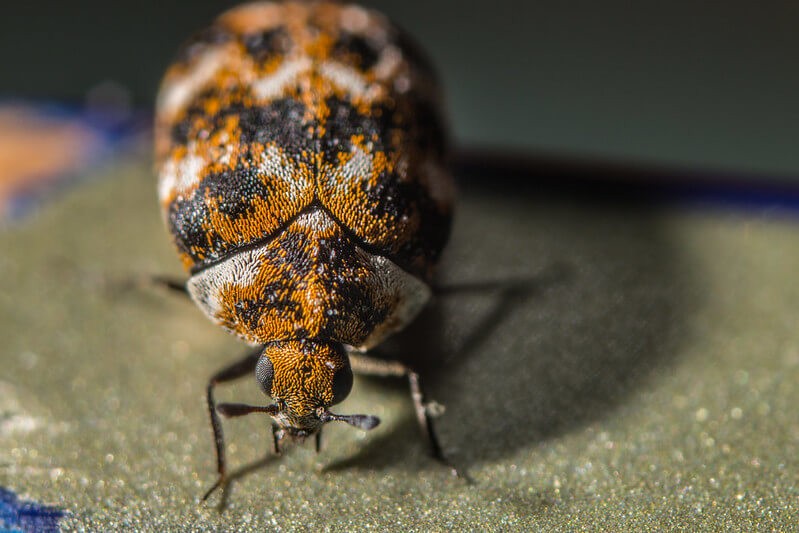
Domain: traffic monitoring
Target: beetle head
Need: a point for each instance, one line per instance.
(304, 378)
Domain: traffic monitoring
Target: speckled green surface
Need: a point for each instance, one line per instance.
(646, 379)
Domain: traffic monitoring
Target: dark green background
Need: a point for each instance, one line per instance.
(698, 84)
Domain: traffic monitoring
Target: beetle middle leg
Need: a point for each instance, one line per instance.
(145, 281)
(232, 372)
(165, 282)
(173, 284)
(372, 366)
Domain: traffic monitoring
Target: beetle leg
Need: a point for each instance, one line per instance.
(171, 284)
(229, 373)
(371, 366)
(277, 436)
(145, 281)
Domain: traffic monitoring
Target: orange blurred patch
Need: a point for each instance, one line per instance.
(36, 150)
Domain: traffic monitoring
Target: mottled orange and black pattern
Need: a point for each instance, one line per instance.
(281, 105)
(311, 281)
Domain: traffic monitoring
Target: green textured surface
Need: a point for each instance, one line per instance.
(647, 378)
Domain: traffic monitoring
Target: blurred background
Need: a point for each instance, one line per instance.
(683, 84)
(655, 357)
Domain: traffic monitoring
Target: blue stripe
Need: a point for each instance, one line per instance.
(25, 516)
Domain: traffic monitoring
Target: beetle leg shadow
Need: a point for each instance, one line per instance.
(510, 295)
(420, 346)
(239, 473)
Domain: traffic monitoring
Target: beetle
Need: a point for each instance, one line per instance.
(302, 163)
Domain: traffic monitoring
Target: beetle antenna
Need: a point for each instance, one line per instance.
(365, 422)
(240, 409)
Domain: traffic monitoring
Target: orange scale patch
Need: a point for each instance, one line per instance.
(249, 18)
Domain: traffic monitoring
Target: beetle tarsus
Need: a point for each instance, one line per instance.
(423, 416)
(219, 483)
(276, 436)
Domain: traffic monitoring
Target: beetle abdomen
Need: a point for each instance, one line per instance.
(282, 106)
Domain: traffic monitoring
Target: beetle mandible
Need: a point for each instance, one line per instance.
(302, 163)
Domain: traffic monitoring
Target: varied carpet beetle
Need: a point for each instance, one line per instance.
(302, 162)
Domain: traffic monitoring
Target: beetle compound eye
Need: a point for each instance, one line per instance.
(264, 372)
(342, 384)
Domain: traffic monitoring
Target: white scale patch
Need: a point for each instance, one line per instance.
(205, 287)
(388, 63)
(358, 168)
(317, 220)
(177, 93)
(183, 176)
(275, 164)
(350, 80)
(180, 177)
(355, 19)
(224, 140)
(274, 85)
(342, 76)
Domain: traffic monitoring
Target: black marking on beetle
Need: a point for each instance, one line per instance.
(230, 188)
(281, 121)
(264, 45)
(180, 133)
(431, 135)
(345, 121)
(271, 301)
(350, 46)
(231, 191)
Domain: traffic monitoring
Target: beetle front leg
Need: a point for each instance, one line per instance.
(371, 366)
(229, 373)
(171, 284)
